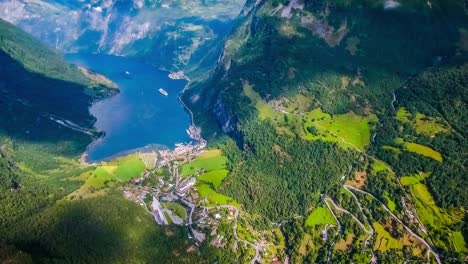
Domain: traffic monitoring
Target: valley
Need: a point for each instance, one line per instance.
(258, 131)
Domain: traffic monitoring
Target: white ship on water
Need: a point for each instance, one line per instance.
(163, 92)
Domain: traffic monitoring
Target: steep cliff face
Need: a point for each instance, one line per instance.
(169, 31)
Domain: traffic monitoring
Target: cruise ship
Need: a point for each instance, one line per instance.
(163, 92)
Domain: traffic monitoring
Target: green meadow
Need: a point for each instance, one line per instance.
(413, 179)
(265, 111)
(129, 167)
(320, 216)
(433, 216)
(419, 149)
(108, 174)
(384, 240)
(424, 151)
(421, 123)
(214, 198)
(317, 125)
(350, 127)
(209, 161)
(390, 203)
(215, 177)
(403, 115)
(395, 150)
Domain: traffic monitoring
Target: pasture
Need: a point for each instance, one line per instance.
(320, 216)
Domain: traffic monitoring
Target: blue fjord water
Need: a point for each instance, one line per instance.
(139, 115)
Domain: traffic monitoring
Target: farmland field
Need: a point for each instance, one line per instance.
(129, 167)
(213, 197)
(351, 127)
(421, 123)
(320, 216)
(424, 151)
(209, 161)
(384, 240)
(214, 177)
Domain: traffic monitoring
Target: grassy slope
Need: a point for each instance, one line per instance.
(210, 161)
(320, 216)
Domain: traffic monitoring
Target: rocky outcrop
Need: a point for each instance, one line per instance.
(226, 120)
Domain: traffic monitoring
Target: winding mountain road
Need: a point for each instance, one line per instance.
(429, 248)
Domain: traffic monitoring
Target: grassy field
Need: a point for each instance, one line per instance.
(413, 179)
(265, 111)
(459, 242)
(352, 128)
(106, 175)
(384, 240)
(437, 218)
(421, 123)
(429, 125)
(428, 211)
(94, 183)
(129, 167)
(209, 161)
(424, 151)
(214, 177)
(379, 166)
(214, 198)
(320, 216)
(433, 216)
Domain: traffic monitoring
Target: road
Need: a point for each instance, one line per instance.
(429, 248)
(369, 231)
(257, 248)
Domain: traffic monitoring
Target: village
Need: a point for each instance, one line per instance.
(172, 198)
(169, 196)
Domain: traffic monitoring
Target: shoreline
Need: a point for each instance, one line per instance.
(148, 148)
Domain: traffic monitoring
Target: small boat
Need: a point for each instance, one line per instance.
(127, 72)
(163, 92)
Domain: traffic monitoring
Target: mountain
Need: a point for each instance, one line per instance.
(336, 133)
(166, 32)
(40, 91)
(45, 126)
(359, 103)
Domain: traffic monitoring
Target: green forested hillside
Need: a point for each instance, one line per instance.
(343, 124)
(45, 125)
(325, 96)
(35, 56)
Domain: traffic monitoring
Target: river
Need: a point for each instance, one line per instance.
(139, 115)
